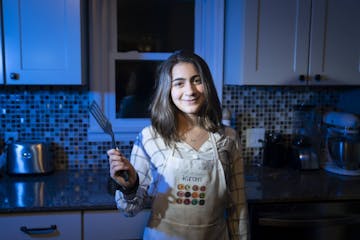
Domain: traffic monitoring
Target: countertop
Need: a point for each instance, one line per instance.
(89, 189)
(265, 184)
(58, 191)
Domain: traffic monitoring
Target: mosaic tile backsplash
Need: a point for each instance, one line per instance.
(59, 115)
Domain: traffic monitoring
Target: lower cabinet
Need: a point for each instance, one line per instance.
(73, 225)
(48, 225)
(113, 225)
(333, 220)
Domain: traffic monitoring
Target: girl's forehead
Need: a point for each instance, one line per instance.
(183, 67)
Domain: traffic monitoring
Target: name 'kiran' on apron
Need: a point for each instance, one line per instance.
(191, 199)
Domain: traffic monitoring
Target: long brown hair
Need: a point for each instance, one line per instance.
(163, 110)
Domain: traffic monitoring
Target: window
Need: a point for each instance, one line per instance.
(155, 25)
(129, 38)
(134, 84)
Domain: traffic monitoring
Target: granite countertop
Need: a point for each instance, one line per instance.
(89, 189)
(265, 184)
(58, 191)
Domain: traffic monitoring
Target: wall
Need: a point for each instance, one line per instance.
(60, 115)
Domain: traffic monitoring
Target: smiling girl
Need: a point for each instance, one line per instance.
(186, 163)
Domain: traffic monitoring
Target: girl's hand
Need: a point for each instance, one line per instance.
(118, 162)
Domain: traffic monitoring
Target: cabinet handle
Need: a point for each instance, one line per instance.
(302, 77)
(317, 77)
(14, 76)
(31, 231)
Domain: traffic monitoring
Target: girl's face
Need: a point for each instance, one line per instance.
(187, 89)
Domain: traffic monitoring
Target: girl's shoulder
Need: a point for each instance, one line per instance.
(151, 143)
(149, 135)
(227, 138)
(148, 131)
(229, 133)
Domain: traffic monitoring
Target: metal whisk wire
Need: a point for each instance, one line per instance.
(102, 120)
(105, 124)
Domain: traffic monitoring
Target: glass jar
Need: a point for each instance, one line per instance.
(304, 120)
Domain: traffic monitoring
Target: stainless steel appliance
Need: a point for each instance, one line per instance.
(275, 150)
(29, 158)
(304, 153)
(342, 143)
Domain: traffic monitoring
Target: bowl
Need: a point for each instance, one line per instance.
(345, 152)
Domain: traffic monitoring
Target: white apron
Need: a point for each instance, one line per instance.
(190, 200)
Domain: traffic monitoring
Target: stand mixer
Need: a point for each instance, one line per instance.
(342, 143)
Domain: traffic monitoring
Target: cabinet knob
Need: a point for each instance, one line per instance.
(317, 77)
(14, 76)
(302, 77)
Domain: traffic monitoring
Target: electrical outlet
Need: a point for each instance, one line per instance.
(255, 137)
(11, 136)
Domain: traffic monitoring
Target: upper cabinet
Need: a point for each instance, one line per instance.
(1, 54)
(292, 42)
(42, 42)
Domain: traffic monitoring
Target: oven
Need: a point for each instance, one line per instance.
(305, 220)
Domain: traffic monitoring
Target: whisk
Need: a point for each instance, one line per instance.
(105, 124)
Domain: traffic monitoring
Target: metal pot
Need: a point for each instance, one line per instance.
(345, 152)
(29, 158)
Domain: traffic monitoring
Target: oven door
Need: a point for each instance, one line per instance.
(318, 220)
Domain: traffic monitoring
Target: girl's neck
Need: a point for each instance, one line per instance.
(187, 122)
(191, 132)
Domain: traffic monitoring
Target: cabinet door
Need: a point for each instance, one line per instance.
(68, 226)
(335, 42)
(42, 41)
(114, 225)
(275, 42)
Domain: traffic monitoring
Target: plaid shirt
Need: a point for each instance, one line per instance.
(148, 156)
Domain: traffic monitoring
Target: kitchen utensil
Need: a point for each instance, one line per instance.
(345, 152)
(304, 156)
(275, 150)
(342, 142)
(303, 119)
(105, 124)
(29, 158)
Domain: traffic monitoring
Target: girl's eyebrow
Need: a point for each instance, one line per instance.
(181, 78)
(178, 79)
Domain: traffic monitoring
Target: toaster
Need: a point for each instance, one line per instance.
(29, 158)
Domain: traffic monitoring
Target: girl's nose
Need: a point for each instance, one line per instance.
(189, 88)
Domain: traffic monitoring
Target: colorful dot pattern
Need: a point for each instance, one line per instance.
(188, 194)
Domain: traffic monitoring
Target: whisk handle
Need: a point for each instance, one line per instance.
(124, 174)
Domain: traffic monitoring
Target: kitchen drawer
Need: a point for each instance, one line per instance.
(112, 225)
(66, 225)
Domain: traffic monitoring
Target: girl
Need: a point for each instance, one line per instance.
(186, 163)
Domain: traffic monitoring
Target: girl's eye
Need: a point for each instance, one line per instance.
(197, 81)
(177, 83)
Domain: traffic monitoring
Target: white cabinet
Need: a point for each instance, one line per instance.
(1, 53)
(42, 42)
(86, 225)
(50, 225)
(113, 225)
(292, 42)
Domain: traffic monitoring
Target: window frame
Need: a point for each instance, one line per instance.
(209, 42)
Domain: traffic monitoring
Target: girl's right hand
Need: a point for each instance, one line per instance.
(118, 162)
